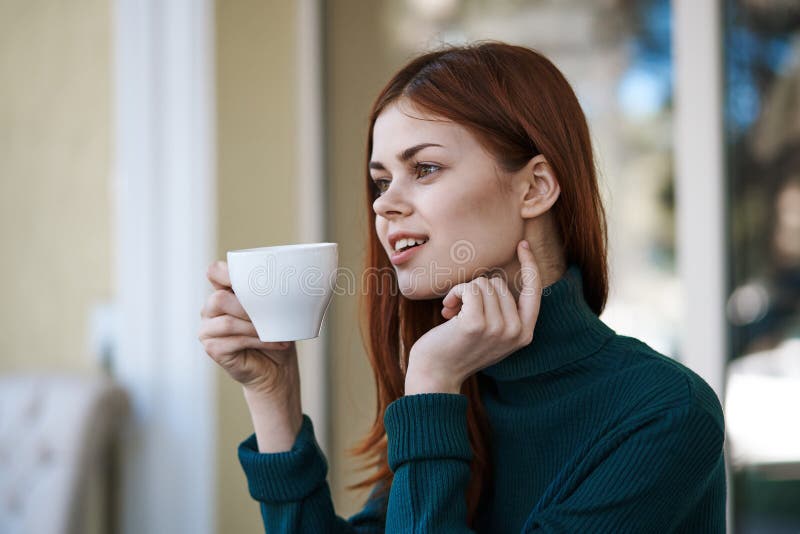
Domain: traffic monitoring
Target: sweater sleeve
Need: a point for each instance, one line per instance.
(649, 477)
(429, 453)
(293, 493)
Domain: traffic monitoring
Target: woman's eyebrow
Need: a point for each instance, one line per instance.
(403, 156)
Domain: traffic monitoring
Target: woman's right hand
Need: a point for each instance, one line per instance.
(229, 337)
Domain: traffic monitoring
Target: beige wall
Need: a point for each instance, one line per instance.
(55, 152)
(256, 88)
(55, 157)
(357, 68)
(256, 152)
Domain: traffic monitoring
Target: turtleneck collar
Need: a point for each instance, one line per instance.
(566, 330)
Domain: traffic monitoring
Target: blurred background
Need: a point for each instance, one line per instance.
(141, 140)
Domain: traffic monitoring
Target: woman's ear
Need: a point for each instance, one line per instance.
(539, 187)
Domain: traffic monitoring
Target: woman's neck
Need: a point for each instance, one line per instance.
(548, 252)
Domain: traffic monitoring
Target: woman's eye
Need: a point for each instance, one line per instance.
(420, 166)
(423, 170)
(379, 185)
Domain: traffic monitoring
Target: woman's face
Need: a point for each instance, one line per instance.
(437, 181)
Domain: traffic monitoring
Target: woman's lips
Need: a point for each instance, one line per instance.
(405, 255)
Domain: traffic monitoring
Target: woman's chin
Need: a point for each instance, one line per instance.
(422, 292)
(416, 293)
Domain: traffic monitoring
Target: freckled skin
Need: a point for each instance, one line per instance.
(473, 223)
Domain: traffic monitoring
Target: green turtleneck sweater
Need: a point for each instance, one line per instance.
(591, 431)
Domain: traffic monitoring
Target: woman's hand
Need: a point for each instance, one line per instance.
(228, 336)
(489, 326)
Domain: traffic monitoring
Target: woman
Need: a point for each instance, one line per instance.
(506, 404)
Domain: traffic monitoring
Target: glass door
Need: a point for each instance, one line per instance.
(762, 146)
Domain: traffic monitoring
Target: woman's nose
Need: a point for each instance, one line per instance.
(394, 201)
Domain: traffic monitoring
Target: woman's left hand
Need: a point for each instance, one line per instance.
(489, 327)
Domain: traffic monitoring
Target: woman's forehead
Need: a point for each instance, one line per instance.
(397, 128)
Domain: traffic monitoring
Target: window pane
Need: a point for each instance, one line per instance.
(762, 116)
(616, 54)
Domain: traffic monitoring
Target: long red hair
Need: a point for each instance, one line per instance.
(518, 105)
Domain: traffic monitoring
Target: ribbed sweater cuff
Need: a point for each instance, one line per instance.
(284, 476)
(427, 426)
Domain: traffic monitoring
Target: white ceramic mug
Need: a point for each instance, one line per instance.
(285, 289)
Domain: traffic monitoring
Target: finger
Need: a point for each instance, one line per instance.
(222, 302)
(452, 302)
(508, 307)
(471, 303)
(452, 299)
(449, 313)
(530, 297)
(218, 275)
(226, 325)
(492, 315)
(217, 347)
(450, 305)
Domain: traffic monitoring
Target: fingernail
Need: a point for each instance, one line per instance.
(525, 244)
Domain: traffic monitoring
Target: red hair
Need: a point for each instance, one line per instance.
(518, 105)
